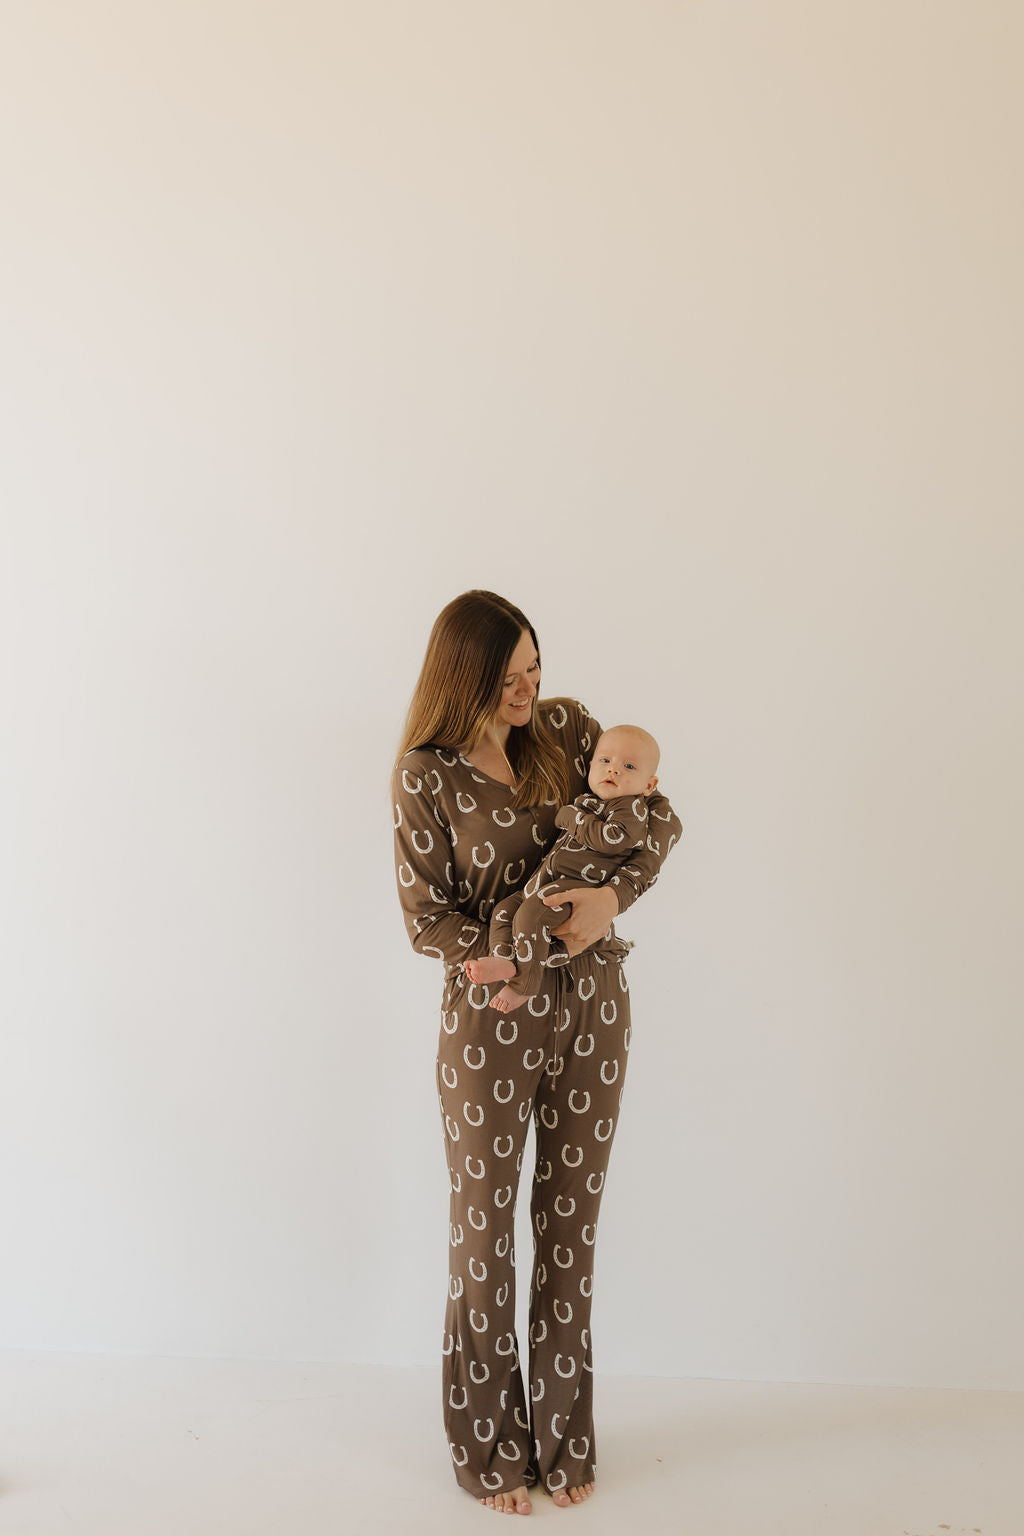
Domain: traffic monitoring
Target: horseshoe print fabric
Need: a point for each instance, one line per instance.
(597, 836)
(560, 1059)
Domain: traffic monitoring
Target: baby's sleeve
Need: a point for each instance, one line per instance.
(611, 827)
(425, 871)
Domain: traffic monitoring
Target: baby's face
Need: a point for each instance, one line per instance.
(623, 764)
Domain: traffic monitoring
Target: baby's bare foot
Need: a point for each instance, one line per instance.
(515, 1503)
(566, 1496)
(490, 969)
(506, 1000)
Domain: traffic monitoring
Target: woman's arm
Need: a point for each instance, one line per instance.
(425, 870)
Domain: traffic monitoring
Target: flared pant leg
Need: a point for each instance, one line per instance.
(560, 1057)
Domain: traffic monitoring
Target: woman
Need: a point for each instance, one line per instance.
(483, 768)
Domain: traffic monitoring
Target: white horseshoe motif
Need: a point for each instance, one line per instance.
(566, 1160)
(483, 1269)
(538, 839)
(453, 1403)
(448, 758)
(529, 1065)
(578, 1045)
(540, 1221)
(568, 1309)
(519, 1421)
(469, 1169)
(557, 1480)
(597, 1129)
(484, 863)
(590, 1227)
(411, 782)
(470, 803)
(497, 1150)
(590, 879)
(513, 1454)
(536, 1396)
(609, 829)
(628, 1035)
(579, 1455)
(524, 1111)
(595, 1189)
(446, 1349)
(514, 874)
(429, 837)
(498, 1032)
(568, 1262)
(445, 1069)
(535, 1336)
(609, 1019)
(437, 783)
(475, 986)
(558, 1205)
(502, 1295)
(474, 1066)
(558, 1433)
(455, 1181)
(497, 818)
(585, 988)
(609, 1080)
(572, 1367)
(489, 1434)
(511, 1344)
(572, 1106)
(553, 1122)
(492, 1480)
(478, 1225)
(458, 1234)
(477, 1328)
(465, 1454)
(398, 817)
(474, 1377)
(586, 1285)
(452, 1127)
(455, 1287)
(465, 890)
(538, 1013)
(507, 1192)
(500, 1097)
(469, 1117)
(558, 717)
(542, 1178)
(501, 1247)
(435, 895)
(401, 878)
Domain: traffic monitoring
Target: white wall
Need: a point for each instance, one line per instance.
(696, 329)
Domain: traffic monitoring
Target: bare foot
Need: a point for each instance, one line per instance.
(515, 1503)
(489, 969)
(506, 1000)
(566, 1496)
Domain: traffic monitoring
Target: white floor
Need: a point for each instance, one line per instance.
(106, 1446)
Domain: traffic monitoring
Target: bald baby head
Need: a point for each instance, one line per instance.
(625, 762)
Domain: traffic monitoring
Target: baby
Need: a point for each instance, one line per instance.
(599, 831)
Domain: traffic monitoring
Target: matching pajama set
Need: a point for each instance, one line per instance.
(560, 1058)
(597, 836)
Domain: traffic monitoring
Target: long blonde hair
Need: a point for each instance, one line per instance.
(460, 688)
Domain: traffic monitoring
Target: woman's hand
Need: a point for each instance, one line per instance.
(594, 909)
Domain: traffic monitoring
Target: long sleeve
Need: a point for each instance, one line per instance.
(606, 826)
(425, 870)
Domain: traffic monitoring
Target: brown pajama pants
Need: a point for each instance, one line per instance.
(560, 1057)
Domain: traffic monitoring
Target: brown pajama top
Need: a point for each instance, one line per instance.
(597, 836)
(460, 849)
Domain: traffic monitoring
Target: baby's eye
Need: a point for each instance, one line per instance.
(631, 767)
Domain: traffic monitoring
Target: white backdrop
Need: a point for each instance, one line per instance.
(696, 330)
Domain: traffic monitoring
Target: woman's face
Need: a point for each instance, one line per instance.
(521, 683)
